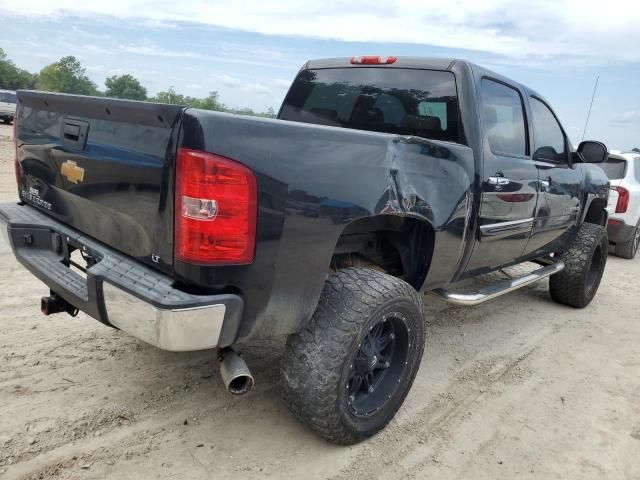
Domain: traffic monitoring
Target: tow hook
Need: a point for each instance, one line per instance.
(56, 304)
(234, 371)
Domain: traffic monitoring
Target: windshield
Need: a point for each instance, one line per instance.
(8, 97)
(614, 168)
(391, 100)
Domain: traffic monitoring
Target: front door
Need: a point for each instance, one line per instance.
(560, 184)
(510, 179)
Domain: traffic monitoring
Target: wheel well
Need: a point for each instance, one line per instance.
(597, 212)
(399, 246)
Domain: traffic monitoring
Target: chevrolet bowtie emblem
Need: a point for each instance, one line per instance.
(72, 171)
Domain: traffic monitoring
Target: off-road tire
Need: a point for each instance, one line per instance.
(317, 362)
(584, 264)
(629, 249)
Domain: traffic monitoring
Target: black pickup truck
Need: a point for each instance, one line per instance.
(383, 178)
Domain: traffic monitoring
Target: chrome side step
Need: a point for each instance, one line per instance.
(499, 288)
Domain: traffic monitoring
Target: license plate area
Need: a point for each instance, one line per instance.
(55, 258)
(79, 258)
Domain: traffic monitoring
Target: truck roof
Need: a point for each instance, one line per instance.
(435, 63)
(428, 63)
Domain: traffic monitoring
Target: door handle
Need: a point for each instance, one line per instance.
(498, 181)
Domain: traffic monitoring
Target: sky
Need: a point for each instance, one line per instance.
(250, 50)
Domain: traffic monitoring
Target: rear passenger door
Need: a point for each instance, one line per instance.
(560, 184)
(510, 178)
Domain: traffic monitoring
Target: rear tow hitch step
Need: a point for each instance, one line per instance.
(54, 303)
(499, 288)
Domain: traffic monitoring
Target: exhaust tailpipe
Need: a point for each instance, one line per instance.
(234, 372)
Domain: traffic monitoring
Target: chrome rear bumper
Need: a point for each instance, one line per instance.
(118, 290)
(177, 330)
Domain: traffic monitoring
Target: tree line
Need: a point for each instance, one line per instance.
(68, 76)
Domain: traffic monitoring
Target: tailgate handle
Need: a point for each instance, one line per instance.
(74, 134)
(71, 132)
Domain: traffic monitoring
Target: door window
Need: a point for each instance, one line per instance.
(549, 140)
(503, 116)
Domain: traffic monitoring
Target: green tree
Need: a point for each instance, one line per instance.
(12, 77)
(169, 96)
(125, 86)
(243, 111)
(211, 102)
(270, 113)
(66, 76)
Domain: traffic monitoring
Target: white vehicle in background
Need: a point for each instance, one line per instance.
(8, 101)
(623, 171)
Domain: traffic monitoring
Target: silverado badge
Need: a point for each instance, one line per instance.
(72, 171)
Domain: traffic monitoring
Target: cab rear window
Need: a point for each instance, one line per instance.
(391, 100)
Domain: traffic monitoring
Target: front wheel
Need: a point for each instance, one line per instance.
(347, 374)
(584, 264)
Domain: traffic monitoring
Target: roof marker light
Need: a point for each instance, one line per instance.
(373, 60)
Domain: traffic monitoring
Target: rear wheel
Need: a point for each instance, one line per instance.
(347, 374)
(584, 263)
(629, 249)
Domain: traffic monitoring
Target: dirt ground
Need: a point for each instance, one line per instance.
(519, 387)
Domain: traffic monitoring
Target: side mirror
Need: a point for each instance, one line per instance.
(593, 152)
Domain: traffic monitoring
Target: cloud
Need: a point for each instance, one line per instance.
(282, 84)
(256, 88)
(630, 117)
(226, 80)
(242, 84)
(519, 29)
(106, 71)
(95, 68)
(224, 54)
(153, 50)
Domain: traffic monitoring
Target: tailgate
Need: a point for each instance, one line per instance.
(102, 166)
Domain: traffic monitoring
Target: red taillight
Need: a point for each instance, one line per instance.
(613, 221)
(215, 209)
(16, 163)
(623, 199)
(373, 60)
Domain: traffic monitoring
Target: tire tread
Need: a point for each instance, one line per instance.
(568, 286)
(314, 357)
